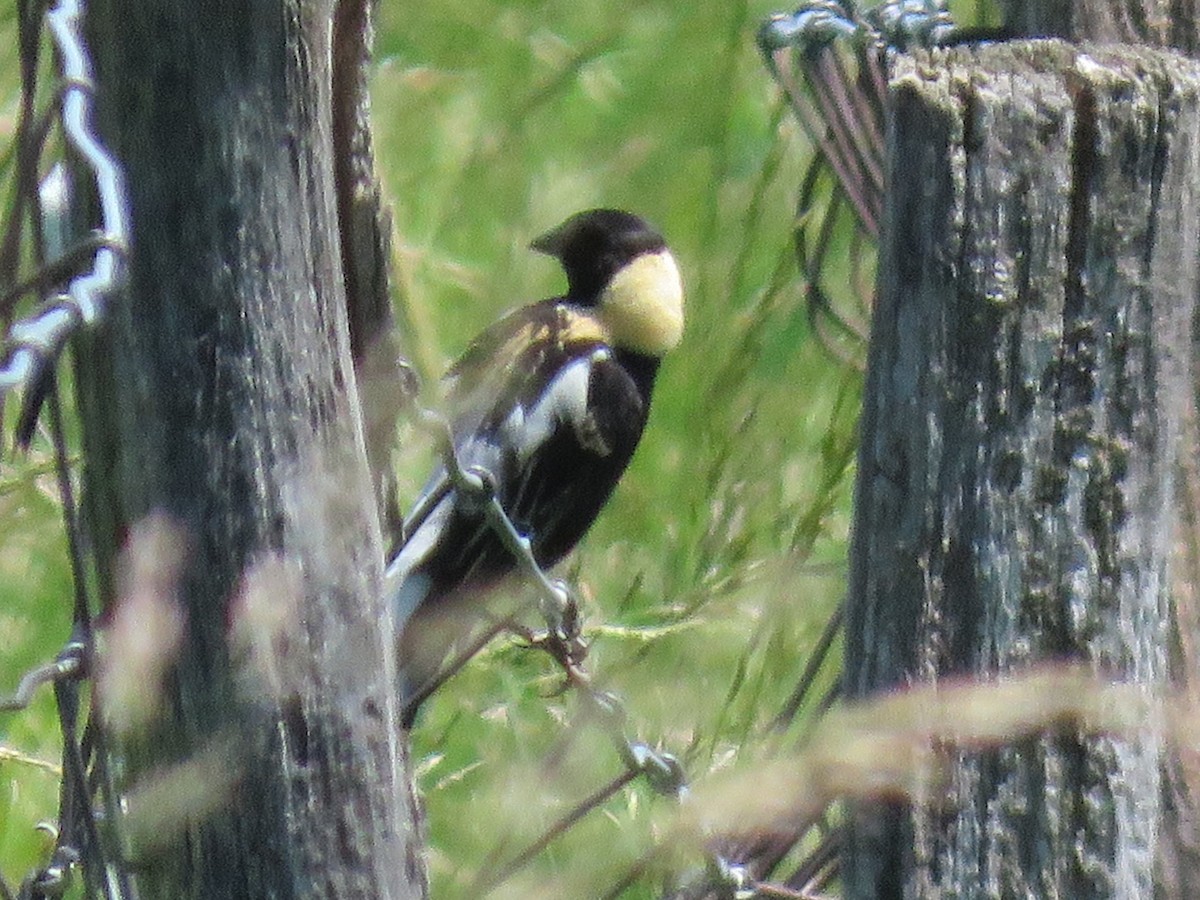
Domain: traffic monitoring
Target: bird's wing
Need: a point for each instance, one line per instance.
(581, 433)
(521, 359)
(509, 361)
(555, 418)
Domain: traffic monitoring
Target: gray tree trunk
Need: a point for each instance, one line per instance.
(222, 395)
(1028, 378)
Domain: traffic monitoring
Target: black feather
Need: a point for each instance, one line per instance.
(553, 473)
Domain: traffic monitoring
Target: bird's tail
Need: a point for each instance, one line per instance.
(407, 587)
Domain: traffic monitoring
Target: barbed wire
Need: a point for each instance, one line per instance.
(722, 875)
(33, 344)
(562, 641)
(32, 347)
(91, 270)
(830, 59)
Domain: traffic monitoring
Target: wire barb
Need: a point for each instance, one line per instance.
(68, 664)
(830, 58)
(56, 878)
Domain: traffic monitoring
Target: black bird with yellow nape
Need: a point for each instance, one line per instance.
(550, 401)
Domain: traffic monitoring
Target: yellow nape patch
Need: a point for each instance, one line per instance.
(563, 327)
(578, 327)
(643, 304)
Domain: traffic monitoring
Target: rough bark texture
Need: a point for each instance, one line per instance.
(365, 227)
(1156, 23)
(1175, 24)
(1179, 853)
(223, 395)
(1028, 371)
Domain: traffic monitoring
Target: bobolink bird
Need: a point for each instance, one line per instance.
(551, 401)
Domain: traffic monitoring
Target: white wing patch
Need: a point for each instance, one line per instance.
(565, 401)
(404, 590)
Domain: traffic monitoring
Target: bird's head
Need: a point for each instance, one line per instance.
(618, 264)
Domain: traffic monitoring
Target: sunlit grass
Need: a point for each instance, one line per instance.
(35, 608)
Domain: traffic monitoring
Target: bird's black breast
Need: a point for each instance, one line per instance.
(552, 492)
(564, 486)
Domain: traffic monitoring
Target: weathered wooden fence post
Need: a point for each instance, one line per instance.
(221, 396)
(1029, 370)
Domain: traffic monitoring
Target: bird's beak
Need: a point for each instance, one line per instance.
(549, 243)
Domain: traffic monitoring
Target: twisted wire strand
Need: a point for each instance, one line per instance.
(35, 342)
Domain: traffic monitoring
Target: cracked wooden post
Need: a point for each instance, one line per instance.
(1029, 367)
(221, 397)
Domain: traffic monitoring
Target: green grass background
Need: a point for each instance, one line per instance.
(722, 553)
(712, 572)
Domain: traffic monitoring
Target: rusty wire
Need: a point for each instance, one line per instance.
(831, 68)
(830, 59)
